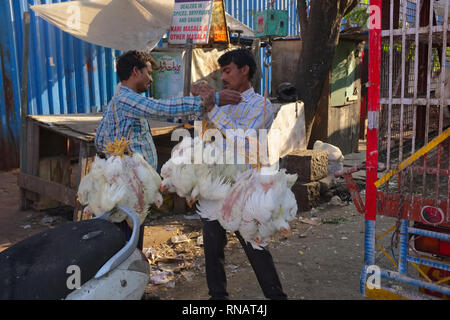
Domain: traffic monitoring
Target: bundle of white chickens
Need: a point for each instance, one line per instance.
(182, 175)
(258, 204)
(126, 180)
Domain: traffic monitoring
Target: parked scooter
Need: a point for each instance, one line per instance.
(82, 260)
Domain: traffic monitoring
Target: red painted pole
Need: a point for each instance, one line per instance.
(373, 108)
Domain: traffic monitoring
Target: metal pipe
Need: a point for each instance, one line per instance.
(428, 233)
(392, 275)
(369, 242)
(403, 251)
(391, 50)
(373, 109)
(403, 81)
(430, 60)
(430, 263)
(369, 252)
(416, 74)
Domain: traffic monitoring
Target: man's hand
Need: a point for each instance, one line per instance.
(206, 92)
(208, 99)
(198, 86)
(228, 96)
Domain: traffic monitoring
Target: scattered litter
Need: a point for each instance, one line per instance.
(167, 267)
(312, 221)
(188, 275)
(173, 267)
(344, 238)
(200, 240)
(303, 235)
(160, 277)
(193, 234)
(234, 268)
(336, 201)
(178, 239)
(150, 253)
(27, 226)
(300, 252)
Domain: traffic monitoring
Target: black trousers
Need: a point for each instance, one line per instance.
(214, 241)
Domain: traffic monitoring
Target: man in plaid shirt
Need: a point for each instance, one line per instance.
(134, 69)
(127, 113)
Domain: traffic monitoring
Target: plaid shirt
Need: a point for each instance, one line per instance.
(248, 114)
(133, 110)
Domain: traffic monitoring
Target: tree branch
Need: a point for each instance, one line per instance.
(302, 16)
(350, 6)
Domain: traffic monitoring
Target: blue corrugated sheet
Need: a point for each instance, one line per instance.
(67, 75)
(9, 89)
(244, 10)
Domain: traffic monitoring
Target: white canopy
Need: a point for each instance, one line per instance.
(117, 24)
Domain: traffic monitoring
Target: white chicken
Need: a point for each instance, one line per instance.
(259, 205)
(129, 181)
(230, 214)
(192, 179)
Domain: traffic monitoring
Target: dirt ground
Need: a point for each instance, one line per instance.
(16, 225)
(321, 259)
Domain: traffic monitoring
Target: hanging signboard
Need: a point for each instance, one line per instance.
(168, 78)
(219, 31)
(191, 20)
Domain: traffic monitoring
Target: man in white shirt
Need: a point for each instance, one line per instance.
(253, 112)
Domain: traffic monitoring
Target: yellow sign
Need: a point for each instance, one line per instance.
(219, 30)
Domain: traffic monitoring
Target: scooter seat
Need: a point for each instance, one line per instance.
(37, 267)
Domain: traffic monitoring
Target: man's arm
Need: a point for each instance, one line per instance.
(137, 106)
(221, 98)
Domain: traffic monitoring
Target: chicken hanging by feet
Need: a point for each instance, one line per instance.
(120, 179)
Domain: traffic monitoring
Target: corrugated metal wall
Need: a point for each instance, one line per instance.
(243, 10)
(67, 75)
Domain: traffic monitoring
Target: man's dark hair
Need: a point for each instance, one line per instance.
(240, 57)
(130, 59)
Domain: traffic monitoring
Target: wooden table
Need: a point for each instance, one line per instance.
(70, 138)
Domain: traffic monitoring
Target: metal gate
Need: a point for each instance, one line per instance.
(408, 135)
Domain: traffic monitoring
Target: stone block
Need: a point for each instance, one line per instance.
(326, 184)
(307, 195)
(310, 165)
